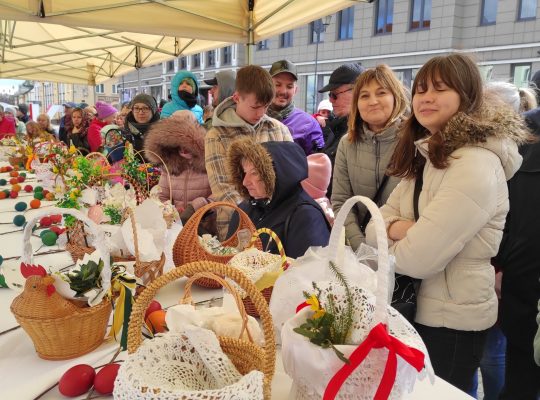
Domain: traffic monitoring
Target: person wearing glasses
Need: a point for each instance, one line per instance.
(380, 102)
(340, 95)
(143, 114)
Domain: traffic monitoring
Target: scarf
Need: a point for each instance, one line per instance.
(280, 114)
(189, 98)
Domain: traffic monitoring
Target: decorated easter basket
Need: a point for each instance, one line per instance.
(187, 247)
(255, 263)
(133, 380)
(17, 161)
(147, 271)
(386, 355)
(59, 328)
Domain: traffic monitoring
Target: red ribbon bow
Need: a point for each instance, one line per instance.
(377, 338)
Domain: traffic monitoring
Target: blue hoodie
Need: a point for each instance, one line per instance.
(177, 103)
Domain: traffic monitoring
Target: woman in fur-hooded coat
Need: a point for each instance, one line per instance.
(179, 141)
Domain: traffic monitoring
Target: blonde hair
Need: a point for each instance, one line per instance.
(527, 99)
(385, 77)
(49, 126)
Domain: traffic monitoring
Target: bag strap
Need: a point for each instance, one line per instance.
(376, 198)
(289, 217)
(418, 183)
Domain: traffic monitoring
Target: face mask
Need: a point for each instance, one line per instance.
(189, 98)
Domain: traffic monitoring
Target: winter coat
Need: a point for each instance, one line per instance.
(136, 132)
(189, 181)
(177, 103)
(359, 170)
(462, 212)
(7, 127)
(305, 130)
(334, 130)
(226, 81)
(519, 255)
(94, 134)
(282, 166)
(228, 126)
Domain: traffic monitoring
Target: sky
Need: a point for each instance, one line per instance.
(7, 84)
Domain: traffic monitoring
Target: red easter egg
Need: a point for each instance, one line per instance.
(104, 381)
(28, 188)
(21, 178)
(77, 380)
(154, 306)
(13, 194)
(45, 221)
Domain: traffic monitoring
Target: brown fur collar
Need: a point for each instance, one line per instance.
(494, 120)
(247, 148)
(167, 136)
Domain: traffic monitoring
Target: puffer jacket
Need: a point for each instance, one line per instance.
(462, 214)
(359, 170)
(177, 103)
(189, 182)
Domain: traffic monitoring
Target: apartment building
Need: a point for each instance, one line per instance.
(502, 35)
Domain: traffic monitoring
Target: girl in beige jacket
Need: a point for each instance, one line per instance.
(465, 148)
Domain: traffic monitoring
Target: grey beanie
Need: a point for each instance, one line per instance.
(145, 99)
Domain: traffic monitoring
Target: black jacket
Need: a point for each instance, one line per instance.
(332, 133)
(519, 253)
(291, 213)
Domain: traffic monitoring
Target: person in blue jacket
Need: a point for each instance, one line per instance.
(184, 94)
(268, 176)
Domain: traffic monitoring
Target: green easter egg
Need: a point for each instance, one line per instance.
(19, 220)
(43, 232)
(21, 206)
(38, 195)
(22, 174)
(1, 260)
(3, 283)
(49, 238)
(38, 189)
(2, 182)
(7, 192)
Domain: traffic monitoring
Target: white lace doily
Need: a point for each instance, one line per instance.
(184, 366)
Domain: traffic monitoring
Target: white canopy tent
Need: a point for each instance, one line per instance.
(79, 41)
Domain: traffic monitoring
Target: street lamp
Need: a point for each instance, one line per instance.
(319, 27)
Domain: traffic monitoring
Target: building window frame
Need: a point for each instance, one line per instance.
(263, 45)
(226, 53)
(345, 26)
(182, 63)
(424, 20)
(313, 32)
(521, 82)
(211, 58)
(387, 8)
(169, 66)
(286, 39)
(196, 60)
(100, 88)
(520, 9)
(491, 5)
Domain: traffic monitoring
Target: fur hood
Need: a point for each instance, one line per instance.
(167, 136)
(494, 127)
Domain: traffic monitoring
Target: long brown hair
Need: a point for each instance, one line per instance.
(458, 72)
(384, 76)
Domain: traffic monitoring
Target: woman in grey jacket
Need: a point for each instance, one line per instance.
(464, 147)
(378, 105)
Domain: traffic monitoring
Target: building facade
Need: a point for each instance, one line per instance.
(502, 35)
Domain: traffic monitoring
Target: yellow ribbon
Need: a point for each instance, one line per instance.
(120, 286)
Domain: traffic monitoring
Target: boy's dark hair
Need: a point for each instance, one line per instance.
(256, 80)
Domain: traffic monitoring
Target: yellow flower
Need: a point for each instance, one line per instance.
(72, 149)
(314, 305)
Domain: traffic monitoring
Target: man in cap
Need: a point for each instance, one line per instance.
(65, 122)
(222, 87)
(304, 128)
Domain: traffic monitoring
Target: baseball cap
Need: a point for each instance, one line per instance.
(283, 66)
(211, 82)
(70, 104)
(345, 74)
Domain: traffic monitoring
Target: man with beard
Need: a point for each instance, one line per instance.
(304, 128)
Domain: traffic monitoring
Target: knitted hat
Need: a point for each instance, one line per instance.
(325, 105)
(145, 99)
(319, 174)
(191, 83)
(104, 110)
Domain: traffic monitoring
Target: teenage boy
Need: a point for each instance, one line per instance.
(242, 114)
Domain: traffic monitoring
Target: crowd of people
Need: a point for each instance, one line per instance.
(453, 164)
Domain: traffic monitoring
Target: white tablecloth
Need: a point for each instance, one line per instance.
(23, 375)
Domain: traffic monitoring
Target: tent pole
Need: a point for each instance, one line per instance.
(251, 36)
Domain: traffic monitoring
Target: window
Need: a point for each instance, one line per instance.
(211, 58)
(420, 15)
(316, 33)
(100, 88)
(521, 74)
(489, 12)
(486, 71)
(313, 97)
(226, 55)
(115, 89)
(527, 9)
(385, 16)
(183, 63)
(346, 23)
(196, 60)
(262, 45)
(170, 66)
(286, 39)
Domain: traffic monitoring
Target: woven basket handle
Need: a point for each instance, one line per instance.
(94, 229)
(94, 155)
(166, 169)
(137, 315)
(273, 236)
(131, 215)
(199, 214)
(187, 299)
(383, 269)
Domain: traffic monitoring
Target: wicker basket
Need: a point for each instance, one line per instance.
(78, 246)
(59, 328)
(245, 355)
(267, 292)
(187, 247)
(17, 161)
